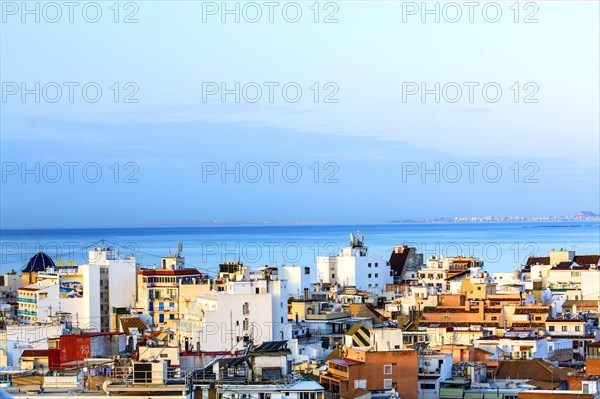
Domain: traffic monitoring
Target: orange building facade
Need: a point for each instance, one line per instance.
(374, 371)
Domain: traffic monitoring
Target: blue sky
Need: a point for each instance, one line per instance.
(366, 139)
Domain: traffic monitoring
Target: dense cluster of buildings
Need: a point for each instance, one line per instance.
(358, 326)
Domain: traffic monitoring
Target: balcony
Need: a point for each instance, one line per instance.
(26, 313)
(27, 300)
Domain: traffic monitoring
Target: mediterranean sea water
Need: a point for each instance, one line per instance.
(502, 246)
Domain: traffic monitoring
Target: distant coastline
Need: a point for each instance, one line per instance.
(585, 216)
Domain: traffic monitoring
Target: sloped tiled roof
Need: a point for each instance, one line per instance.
(35, 353)
(534, 369)
(587, 259)
(398, 260)
(128, 323)
(535, 260)
(365, 310)
(567, 265)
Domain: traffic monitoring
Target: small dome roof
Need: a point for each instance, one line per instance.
(38, 263)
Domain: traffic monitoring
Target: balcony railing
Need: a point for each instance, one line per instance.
(26, 313)
(28, 300)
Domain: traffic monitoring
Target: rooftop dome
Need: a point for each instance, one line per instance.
(38, 263)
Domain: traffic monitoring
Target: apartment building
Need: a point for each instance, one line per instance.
(165, 290)
(376, 371)
(354, 266)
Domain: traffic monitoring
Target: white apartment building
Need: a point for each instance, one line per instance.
(9, 283)
(298, 279)
(89, 292)
(433, 368)
(298, 389)
(562, 270)
(219, 321)
(437, 271)
(355, 267)
(514, 347)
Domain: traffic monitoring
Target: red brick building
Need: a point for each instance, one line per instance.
(374, 371)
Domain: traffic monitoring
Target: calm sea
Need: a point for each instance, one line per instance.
(503, 246)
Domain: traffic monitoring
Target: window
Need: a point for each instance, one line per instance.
(428, 386)
(369, 275)
(577, 328)
(387, 383)
(369, 265)
(172, 316)
(333, 276)
(494, 318)
(360, 384)
(387, 369)
(376, 275)
(376, 264)
(551, 328)
(246, 308)
(564, 328)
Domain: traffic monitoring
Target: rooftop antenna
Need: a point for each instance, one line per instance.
(179, 248)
